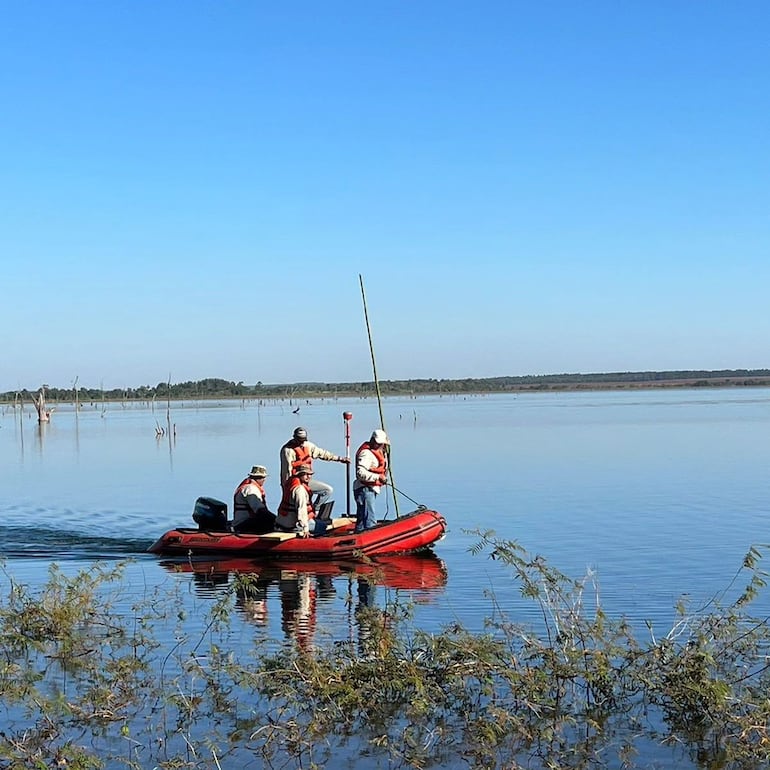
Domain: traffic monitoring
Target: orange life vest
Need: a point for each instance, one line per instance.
(288, 505)
(301, 457)
(379, 469)
(239, 504)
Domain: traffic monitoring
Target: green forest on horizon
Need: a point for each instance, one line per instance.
(220, 388)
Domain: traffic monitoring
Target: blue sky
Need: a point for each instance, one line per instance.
(191, 189)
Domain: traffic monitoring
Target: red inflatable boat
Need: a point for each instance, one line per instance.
(408, 533)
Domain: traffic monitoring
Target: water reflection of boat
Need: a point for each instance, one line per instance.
(423, 570)
(304, 586)
(408, 533)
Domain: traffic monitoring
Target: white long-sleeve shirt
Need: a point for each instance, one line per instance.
(365, 460)
(253, 497)
(298, 516)
(288, 456)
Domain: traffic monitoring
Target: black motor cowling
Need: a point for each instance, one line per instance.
(210, 514)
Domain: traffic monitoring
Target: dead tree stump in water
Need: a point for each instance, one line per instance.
(43, 414)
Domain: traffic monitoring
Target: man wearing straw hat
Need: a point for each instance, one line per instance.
(250, 512)
(371, 474)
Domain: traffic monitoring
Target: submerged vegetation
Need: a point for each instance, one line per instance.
(87, 683)
(218, 388)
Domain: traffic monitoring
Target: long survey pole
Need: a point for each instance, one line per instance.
(347, 417)
(377, 389)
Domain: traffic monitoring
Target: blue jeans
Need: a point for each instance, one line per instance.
(365, 498)
(316, 527)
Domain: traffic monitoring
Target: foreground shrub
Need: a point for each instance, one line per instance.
(88, 683)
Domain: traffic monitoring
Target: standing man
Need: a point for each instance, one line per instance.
(299, 451)
(250, 511)
(371, 474)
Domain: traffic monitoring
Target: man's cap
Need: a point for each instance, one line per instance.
(300, 434)
(380, 437)
(258, 471)
(303, 469)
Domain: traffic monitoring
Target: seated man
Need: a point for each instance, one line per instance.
(296, 513)
(250, 511)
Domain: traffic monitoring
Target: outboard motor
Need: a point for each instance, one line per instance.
(210, 514)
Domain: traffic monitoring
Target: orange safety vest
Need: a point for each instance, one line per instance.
(288, 505)
(301, 457)
(240, 504)
(381, 466)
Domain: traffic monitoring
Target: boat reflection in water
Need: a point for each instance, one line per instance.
(343, 592)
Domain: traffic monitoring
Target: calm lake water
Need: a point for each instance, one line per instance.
(659, 493)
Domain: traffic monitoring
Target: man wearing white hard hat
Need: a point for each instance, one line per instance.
(371, 475)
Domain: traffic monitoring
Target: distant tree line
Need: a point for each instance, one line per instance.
(213, 387)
